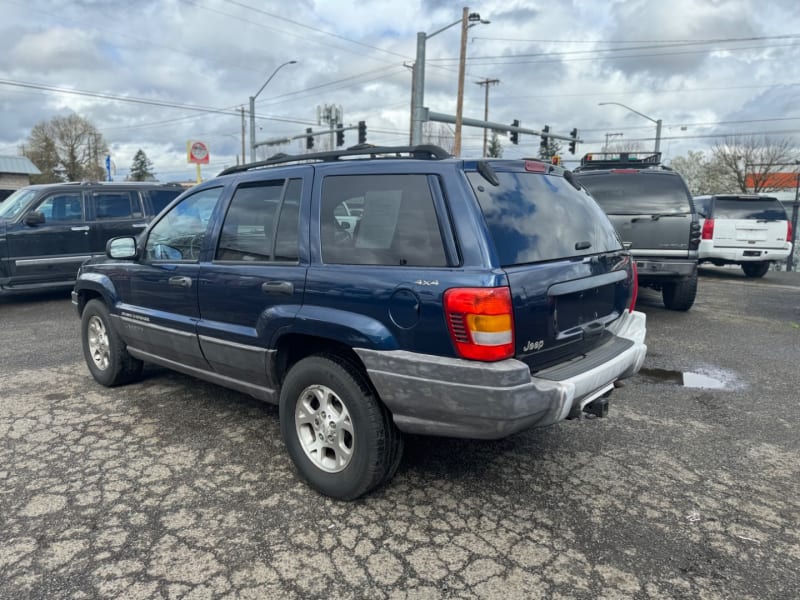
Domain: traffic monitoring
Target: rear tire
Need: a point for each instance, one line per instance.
(339, 435)
(755, 269)
(103, 349)
(680, 295)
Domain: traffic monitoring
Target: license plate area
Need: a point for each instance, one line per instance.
(579, 308)
(752, 253)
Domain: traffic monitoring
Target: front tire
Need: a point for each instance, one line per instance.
(755, 269)
(338, 434)
(103, 349)
(680, 295)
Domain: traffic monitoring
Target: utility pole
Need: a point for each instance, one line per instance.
(486, 83)
(462, 63)
(244, 160)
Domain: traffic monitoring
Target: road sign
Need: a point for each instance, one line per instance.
(197, 153)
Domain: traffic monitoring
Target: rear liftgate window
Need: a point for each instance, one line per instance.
(638, 193)
(534, 218)
(768, 209)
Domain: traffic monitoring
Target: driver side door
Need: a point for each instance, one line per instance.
(159, 304)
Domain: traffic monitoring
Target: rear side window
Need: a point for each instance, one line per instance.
(534, 218)
(380, 220)
(117, 205)
(768, 209)
(638, 193)
(160, 198)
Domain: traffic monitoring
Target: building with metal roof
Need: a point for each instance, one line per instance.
(15, 173)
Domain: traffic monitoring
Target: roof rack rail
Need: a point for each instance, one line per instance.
(616, 160)
(421, 152)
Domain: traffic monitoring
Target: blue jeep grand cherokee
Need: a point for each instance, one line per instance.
(375, 291)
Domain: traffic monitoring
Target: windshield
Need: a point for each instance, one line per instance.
(751, 208)
(533, 218)
(638, 193)
(16, 203)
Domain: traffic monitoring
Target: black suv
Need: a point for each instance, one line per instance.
(652, 209)
(375, 291)
(47, 231)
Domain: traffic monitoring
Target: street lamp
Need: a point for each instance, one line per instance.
(253, 110)
(418, 85)
(656, 121)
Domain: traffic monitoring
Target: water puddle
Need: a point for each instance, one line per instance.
(720, 380)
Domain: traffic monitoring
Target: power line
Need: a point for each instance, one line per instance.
(280, 31)
(594, 58)
(655, 91)
(673, 41)
(316, 29)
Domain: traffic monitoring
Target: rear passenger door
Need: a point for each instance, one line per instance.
(254, 284)
(114, 213)
(54, 250)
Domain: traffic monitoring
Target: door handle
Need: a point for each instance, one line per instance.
(179, 281)
(139, 225)
(278, 287)
(84, 228)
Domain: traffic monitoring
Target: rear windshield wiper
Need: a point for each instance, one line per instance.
(657, 216)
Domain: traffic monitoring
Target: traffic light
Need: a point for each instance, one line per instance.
(574, 135)
(362, 132)
(339, 135)
(545, 143)
(309, 139)
(515, 134)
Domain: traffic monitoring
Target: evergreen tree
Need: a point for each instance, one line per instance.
(495, 149)
(142, 167)
(553, 148)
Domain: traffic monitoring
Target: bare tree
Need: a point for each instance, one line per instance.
(439, 135)
(704, 175)
(66, 149)
(751, 160)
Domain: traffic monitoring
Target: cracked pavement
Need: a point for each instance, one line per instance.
(174, 488)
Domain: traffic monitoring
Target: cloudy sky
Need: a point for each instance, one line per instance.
(143, 70)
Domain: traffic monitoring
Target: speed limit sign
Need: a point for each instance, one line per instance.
(197, 152)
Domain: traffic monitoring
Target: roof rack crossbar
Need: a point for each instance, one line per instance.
(421, 152)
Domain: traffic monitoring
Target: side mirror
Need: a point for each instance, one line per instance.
(121, 248)
(35, 218)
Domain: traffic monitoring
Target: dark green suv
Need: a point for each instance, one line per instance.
(47, 231)
(652, 210)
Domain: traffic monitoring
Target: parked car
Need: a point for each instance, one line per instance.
(47, 231)
(473, 298)
(743, 229)
(652, 209)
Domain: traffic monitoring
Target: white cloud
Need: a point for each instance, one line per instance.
(551, 60)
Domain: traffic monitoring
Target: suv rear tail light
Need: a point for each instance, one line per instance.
(481, 322)
(708, 229)
(634, 285)
(788, 231)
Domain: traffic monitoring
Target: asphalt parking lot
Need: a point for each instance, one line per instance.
(173, 488)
